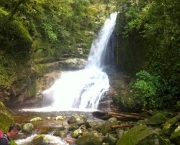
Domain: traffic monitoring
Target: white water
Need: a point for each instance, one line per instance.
(53, 140)
(82, 90)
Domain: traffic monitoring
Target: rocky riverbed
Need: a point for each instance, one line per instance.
(81, 128)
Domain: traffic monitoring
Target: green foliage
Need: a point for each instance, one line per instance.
(156, 22)
(152, 91)
(38, 31)
(145, 88)
(6, 73)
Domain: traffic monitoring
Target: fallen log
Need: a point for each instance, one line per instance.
(169, 123)
(122, 126)
(101, 115)
(119, 116)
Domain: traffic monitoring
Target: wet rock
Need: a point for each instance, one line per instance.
(28, 128)
(77, 133)
(106, 127)
(110, 139)
(61, 134)
(73, 63)
(73, 127)
(141, 135)
(70, 140)
(40, 140)
(120, 132)
(91, 138)
(93, 124)
(36, 119)
(60, 118)
(78, 119)
(156, 119)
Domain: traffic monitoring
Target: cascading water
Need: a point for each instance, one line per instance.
(84, 88)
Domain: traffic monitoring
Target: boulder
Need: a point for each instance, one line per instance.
(106, 127)
(40, 140)
(73, 64)
(91, 138)
(78, 119)
(141, 135)
(156, 119)
(28, 128)
(36, 119)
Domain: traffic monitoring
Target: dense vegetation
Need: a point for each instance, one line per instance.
(153, 26)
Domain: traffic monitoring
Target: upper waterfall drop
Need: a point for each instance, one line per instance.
(83, 89)
(99, 44)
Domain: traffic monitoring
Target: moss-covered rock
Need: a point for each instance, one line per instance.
(106, 127)
(141, 135)
(158, 118)
(92, 138)
(40, 140)
(6, 118)
(36, 119)
(28, 128)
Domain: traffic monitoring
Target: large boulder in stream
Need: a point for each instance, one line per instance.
(28, 128)
(141, 135)
(40, 140)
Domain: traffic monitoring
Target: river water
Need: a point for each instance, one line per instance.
(77, 90)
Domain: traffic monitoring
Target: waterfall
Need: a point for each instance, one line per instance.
(99, 45)
(83, 89)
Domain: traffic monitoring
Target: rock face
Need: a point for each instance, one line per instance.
(141, 135)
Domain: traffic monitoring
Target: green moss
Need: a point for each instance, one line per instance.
(140, 135)
(13, 142)
(32, 90)
(106, 127)
(41, 69)
(6, 118)
(175, 137)
(157, 119)
(136, 134)
(3, 12)
(171, 122)
(89, 139)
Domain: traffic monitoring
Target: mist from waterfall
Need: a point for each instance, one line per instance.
(83, 89)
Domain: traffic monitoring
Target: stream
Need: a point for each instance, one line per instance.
(48, 123)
